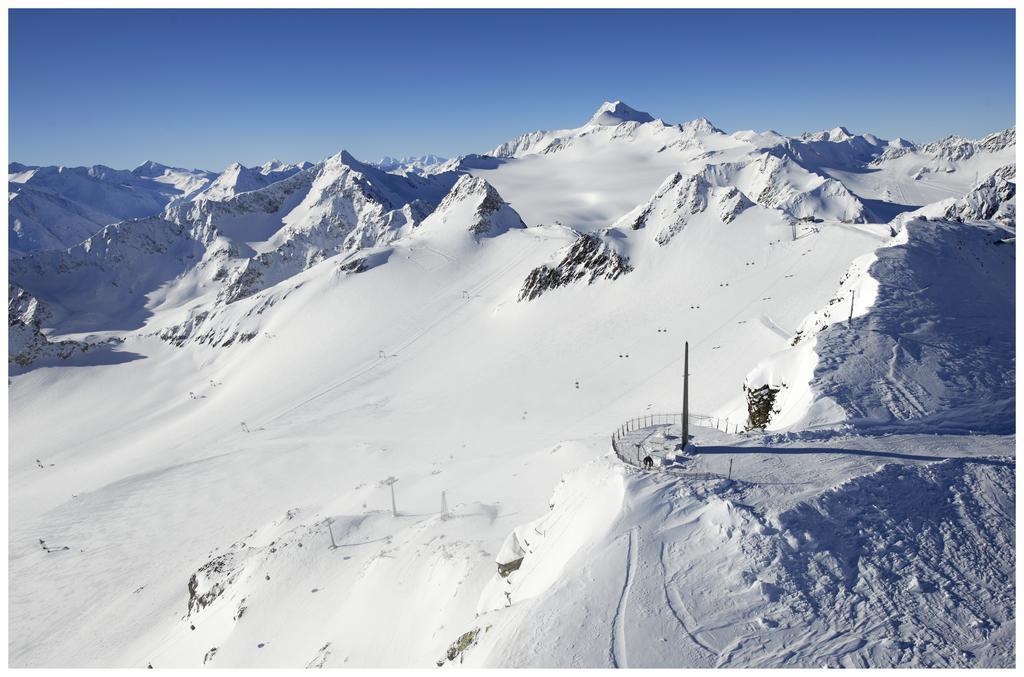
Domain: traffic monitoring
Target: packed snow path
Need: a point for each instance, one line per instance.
(907, 561)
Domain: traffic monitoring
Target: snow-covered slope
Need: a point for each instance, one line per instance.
(715, 574)
(920, 335)
(213, 404)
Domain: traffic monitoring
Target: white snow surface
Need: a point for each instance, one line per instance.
(214, 392)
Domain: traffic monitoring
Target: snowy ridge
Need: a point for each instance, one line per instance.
(239, 179)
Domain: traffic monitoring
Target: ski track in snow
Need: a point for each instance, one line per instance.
(773, 326)
(678, 609)
(618, 648)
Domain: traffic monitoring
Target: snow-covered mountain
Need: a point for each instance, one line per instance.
(216, 380)
(57, 207)
(411, 164)
(239, 179)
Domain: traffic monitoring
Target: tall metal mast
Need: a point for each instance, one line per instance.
(686, 395)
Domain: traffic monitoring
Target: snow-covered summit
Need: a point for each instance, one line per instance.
(476, 207)
(616, 112)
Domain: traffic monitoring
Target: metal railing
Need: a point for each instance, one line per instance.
(633, 428)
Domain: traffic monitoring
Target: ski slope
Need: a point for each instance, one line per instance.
(191, 468)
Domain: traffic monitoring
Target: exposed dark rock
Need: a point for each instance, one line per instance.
(210, 581)
(588, 257)
(760, 403)
(459, 647)
(508, 567)
(991, 199)
(26, 341)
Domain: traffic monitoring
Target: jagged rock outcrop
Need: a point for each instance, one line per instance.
(211, 580)
(588, 258)
(26, 341)
(993, 198)
(760, 406)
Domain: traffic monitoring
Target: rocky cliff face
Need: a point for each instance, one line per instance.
(993, 198)
(588, 258)
(27, 343)
(760, 406)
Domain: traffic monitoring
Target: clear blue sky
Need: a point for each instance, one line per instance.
(204, 88)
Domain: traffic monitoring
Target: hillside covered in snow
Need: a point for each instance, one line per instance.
(355, 414)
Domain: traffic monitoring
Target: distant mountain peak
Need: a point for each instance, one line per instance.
(839, 133)
(150, 168)
(613, 113)
(411, 164)
(835, 135)
(700, 126)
